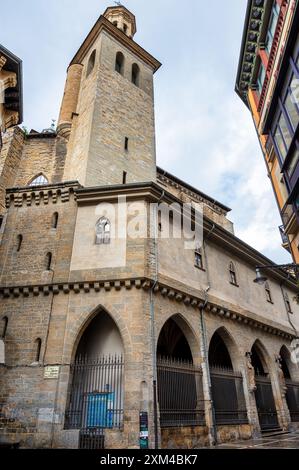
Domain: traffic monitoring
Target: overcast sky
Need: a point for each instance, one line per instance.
(205, 134)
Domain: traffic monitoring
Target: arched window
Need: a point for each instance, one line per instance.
(103, 228)
(287, 303)
(55, 220)
(48, 261)
(125, 28)
(4, 324)
(39, 180)
(38, 345)
(119, 63)
(268, 293)
(135, 74)
(232, 274)
(19, 242)
(91, 62)
(198, 260)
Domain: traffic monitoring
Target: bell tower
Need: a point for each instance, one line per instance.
(107, 112)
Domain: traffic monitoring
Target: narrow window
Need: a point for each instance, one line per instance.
(126, 143)
(268, 293)
(115, 23)
(4, 326)
(1, 221)
(288, 303)
(48, 261)
(19, 242)
(125, 28)
(91, 62)
(198, 258)
(232, 274)
(124, 177)
(103, 231)
(135, 74)
(39, 180)
(119, 63)
(55, 220)
(38, 345)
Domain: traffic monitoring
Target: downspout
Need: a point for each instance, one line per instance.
(204, 343)
(288, 313)
(152, 318)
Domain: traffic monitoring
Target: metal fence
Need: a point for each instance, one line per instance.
(228, 396)
(96, 397)
(180, 393)
(292, 397)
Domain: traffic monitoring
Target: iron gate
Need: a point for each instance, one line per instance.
(292, 397)
(180, 393)
(265, 403)
(228, 396)
(96, 398)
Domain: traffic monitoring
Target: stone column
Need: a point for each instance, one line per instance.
(249, 393)
(70, 99)
(279, 392)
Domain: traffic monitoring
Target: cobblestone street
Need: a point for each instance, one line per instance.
(278, 441)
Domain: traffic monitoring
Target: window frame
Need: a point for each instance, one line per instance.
(198, 255)
(103, 238)
(233, 278)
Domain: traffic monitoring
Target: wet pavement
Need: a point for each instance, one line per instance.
(278, 441)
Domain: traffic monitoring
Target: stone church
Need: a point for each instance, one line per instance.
(112, 341)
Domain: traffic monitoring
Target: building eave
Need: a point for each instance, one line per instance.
(103, 24)
(14, 64)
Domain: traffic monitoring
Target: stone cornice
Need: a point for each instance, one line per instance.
(166, 290)
(103, 24)
(41, 194)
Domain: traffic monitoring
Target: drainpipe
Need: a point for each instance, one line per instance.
(152, 317)
(288, 313)
(204, 343)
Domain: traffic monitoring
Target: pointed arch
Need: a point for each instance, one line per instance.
(290, 370)
(38, 180)
(260, 358)
(224, 350)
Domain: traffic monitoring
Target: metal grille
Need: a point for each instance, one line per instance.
(180, 393)
(292, 397)
(265, 403)
(228, 396)
(96, 397)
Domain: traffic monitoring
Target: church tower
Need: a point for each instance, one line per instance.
(107, 112)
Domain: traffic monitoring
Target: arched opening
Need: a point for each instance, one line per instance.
(119, 63)
(263, 394)
(103, 231)
(38, 180)
(226, 384)
(91, 62)
(180, 393)
(292, 386)
(135, 74)
(97, 380)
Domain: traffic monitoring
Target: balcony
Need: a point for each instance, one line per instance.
(289, 216)
(284, 238)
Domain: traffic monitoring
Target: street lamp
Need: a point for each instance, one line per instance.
(292, 270)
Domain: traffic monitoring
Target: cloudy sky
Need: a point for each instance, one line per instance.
(205, 133)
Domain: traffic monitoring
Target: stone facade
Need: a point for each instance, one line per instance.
(49, 303)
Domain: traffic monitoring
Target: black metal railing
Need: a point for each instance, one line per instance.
(292, 397)
(228, 396)
(265, 402)
(96, 394)
(180, 393)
